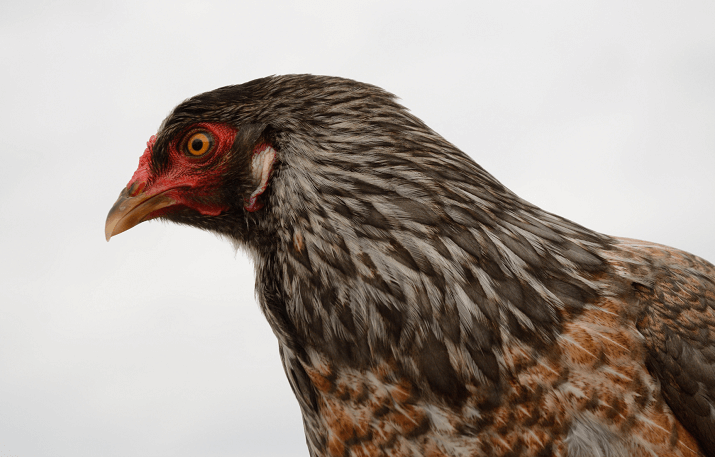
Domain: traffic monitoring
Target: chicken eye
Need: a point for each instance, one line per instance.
(199, 143)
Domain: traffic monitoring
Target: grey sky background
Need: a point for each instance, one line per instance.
(153, 345)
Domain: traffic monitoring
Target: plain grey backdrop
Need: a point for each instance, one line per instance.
(153, 345)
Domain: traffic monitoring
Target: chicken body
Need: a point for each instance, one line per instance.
(421, 308)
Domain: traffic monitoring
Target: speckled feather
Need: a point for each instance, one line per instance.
(423, 309)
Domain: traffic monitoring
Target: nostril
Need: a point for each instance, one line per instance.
(136, 188)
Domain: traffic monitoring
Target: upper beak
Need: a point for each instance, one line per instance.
(134, 207)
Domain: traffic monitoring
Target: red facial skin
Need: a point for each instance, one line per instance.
(188, 182)
(188, 178)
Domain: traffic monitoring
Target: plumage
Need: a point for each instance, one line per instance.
(422, 308)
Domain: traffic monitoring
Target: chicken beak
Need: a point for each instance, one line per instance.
(132, 208)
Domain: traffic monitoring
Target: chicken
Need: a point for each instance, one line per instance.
(422, 308)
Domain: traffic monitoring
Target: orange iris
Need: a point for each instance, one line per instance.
(199, 143)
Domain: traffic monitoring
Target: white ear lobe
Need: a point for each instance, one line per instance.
(261, 168)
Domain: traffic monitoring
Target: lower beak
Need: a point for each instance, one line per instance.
(130, 210)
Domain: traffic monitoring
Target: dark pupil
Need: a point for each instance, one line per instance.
(197, 144)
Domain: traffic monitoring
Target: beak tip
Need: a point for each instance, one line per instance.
(114, 227)
(129, 211)
(109, 227)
